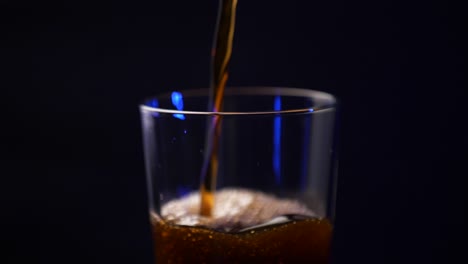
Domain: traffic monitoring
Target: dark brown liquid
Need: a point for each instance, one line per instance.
(221, 55)
(294, 241)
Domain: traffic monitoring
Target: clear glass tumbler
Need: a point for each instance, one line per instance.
(275, 189)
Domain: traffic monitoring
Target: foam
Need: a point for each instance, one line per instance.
(234, 209)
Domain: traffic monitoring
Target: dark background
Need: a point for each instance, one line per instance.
(72, 75)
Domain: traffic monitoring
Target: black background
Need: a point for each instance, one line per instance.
(73, 73)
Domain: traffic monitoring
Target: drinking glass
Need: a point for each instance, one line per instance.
(275, 142)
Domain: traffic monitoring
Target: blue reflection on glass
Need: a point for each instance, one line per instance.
(179, 116)
(153, 103)
(277, 141)
(178, 102)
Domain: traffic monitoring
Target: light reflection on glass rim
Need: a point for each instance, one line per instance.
(323, 101)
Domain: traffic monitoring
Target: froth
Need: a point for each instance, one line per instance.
(234, 209)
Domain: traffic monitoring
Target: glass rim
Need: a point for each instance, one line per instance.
(328, 104)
